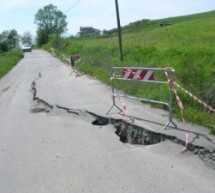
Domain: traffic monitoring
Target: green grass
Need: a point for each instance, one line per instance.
(187, 46)
(8, 60)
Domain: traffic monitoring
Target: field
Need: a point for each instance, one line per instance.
(185, 44)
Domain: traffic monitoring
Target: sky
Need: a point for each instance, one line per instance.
(100, 14)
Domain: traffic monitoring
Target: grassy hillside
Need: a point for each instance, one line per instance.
(187, 45)
(8, 60)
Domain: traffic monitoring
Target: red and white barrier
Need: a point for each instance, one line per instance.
(134, 74)
(147, 75)
(143, 75)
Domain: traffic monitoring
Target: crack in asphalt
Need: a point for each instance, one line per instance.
(4, 90)
(131, 133)
(39, 105)
(68, 110)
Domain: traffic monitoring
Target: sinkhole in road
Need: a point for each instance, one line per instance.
(131, 133)
(127, 132)
(137, 135)
(101, 121)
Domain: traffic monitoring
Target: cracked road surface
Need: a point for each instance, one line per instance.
(48, 143)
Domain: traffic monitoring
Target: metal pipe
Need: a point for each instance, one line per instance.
(119, 30)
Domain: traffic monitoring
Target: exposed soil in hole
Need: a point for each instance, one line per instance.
(137, 135)
(101, 122)
(131, 134)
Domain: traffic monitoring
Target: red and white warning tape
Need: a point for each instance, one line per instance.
(172, 84)
(195, 98)
(181, 106)
(186, 141)
(123, 114)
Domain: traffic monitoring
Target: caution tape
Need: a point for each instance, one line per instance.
(186, 142)
(195, 98)
(181, 106)
(172, 85)
(123, 114)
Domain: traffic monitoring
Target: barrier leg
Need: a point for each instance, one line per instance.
(170, 111)
(114, 100)
(114, 105)
(168, 123)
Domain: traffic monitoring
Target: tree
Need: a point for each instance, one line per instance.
(42, 37)
(13, 39)
(49, 21)
(9, 40)
(4, 41)
(27, 38)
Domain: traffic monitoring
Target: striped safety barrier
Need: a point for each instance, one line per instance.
(142, 75)
(138, 74)
(76, 58)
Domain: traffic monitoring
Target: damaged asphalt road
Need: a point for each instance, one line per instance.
(55, 136)
(132, 134)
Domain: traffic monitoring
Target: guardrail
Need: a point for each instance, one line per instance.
(144, 75)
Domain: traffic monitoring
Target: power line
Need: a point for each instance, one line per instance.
(73, 5)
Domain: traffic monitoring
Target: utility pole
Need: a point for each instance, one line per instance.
(119, 31)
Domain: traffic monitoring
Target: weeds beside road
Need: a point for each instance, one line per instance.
(186, 45)
(8, 60)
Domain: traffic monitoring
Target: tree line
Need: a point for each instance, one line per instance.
(50, 22)
(10, 39)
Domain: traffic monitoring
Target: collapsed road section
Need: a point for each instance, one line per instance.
(130, 133)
